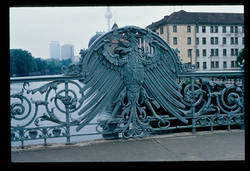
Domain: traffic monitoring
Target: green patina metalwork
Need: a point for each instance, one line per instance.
(138, 81)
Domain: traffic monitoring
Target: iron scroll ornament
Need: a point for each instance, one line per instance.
(129, 73)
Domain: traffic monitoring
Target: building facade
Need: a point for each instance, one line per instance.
(67, 52)
(54, 49)
(219, 48)
(211, 41)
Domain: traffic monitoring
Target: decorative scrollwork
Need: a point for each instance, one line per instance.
(63, 99)
(20, 110)
(197, 96)
(212, 97)
(230, 100)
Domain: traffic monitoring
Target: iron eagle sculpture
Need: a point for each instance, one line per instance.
(130, 72)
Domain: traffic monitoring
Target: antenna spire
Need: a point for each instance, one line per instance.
(108, 16)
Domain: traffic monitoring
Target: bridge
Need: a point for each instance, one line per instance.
(123, 89)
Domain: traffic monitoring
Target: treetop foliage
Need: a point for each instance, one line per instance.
(22, 63)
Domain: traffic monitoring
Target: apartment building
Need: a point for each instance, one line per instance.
(212, 41)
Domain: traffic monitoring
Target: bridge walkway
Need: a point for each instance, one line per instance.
(200, 146)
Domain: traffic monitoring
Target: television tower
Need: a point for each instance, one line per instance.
(108, 15)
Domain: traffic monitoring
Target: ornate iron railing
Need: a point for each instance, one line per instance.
(49, 110)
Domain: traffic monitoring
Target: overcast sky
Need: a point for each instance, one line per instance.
(32, 28)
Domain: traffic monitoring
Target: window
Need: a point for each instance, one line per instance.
(232, 40)
(174, 28)
(211, 29)
(236, 40)
(197, 29)
(224, 29)
(232, 64)
(197, 40)
(204, 65)
(175, 40)
(216, 64)
(232, 52)
(236, 29)
(224, 52)
(203, 40)
(203, 29)
(212, 52)
(197, 65)
(216, 29)
(189, 29)
(216, 52)
(189, 40)
(189, 52)
(212, 64)
(224, 40)
(161, 29)
(204, 52)
(236, 52)
(224, 64)
(197, 52)
(216, 41)
(231, 29)
(212, 40)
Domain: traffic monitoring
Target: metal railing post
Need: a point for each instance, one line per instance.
(67, 113)
(192, 105)
(243, 103)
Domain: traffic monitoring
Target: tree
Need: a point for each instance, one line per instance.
(240, 58)
(41, 65)
(21, 62)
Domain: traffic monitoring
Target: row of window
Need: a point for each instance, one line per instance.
(215, 52)
(215, 64)
(213, 29)
(213, 40)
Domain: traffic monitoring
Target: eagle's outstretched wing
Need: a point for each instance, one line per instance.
(161, 73)
(102, 81)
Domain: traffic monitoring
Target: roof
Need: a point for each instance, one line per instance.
(183, 17)
(158, 23)
(114, 26)
(93, 38)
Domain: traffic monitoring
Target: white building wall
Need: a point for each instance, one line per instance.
(220, 46)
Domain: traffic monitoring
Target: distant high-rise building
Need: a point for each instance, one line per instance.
(67, 51)
(54, 49)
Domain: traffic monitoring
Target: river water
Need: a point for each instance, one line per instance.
(89, 129)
